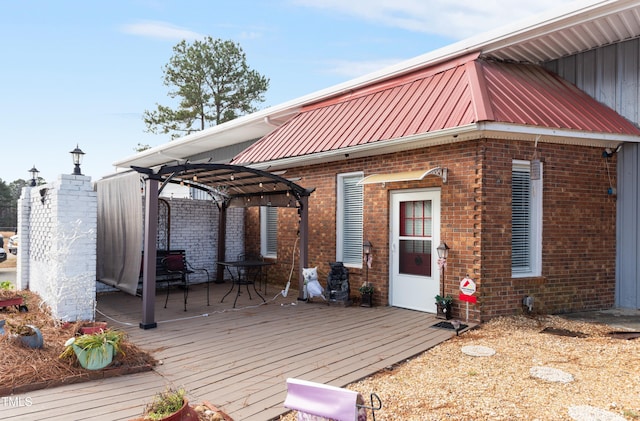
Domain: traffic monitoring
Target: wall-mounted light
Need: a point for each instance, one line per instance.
(77, 155)
(43, 194)
(34, 176)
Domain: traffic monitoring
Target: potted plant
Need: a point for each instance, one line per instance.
(8, 297)
(95, 351)
(87, 327)
(28, 335)
(366, 291)
(443, 306)
(170, 405)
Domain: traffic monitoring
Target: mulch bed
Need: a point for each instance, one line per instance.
(25, 369)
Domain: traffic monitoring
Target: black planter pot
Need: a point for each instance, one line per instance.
(366, 300)
(443, 311)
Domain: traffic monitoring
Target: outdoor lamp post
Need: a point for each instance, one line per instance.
(443, 252)
(366, 249)
(77, 159)
(366, 290)
(34, 176)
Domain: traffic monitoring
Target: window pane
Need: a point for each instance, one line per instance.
(272, 231)
(415, 257)
(351, 210)
(269, 231)
(521, 221)
(416, 219)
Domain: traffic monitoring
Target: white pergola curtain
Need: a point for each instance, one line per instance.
(119, 231)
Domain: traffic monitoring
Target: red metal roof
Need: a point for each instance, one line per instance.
(461, 92)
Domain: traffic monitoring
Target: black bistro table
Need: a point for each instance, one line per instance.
(246, 273)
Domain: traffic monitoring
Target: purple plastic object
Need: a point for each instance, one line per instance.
(321, 400)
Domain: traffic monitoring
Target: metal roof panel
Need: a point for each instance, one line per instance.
(426, 101)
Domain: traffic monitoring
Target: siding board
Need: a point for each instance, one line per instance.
(611, 75)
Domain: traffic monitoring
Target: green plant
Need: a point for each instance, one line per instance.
(95, 340)
(447, 300)
(164, 404)
(366, 288)
(21, 329)
(6, 290)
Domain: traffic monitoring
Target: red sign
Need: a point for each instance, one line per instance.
(468, 298)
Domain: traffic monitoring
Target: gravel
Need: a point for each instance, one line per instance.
(444, 383)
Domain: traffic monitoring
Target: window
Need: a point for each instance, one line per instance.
(349, 209)
(526, 221)
(416, 233)
(269, 231)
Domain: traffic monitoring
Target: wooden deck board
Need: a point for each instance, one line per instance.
(238, 359)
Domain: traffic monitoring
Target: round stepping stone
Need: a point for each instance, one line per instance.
(551, 374)
(590, 413)
(478, 351)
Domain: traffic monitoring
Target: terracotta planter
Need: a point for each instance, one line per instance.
(90, 328)
(186, 413)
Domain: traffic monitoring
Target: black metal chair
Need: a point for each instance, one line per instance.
(177, 264)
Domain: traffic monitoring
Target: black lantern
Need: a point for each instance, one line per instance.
(443, 253)
(34, 176)
(366, 248)
(443, 250)
(366, 289)
(77, 155)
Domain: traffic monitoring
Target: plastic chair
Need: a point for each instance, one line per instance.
(317, 401)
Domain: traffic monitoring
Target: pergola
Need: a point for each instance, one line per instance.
(229, 186)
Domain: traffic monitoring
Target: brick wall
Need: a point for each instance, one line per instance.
(578, 224)
(57, 247)
(194, 228)
(578, 250)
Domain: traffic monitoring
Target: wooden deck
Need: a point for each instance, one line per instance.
(238, 359)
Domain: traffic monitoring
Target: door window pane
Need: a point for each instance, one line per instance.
(415, 257)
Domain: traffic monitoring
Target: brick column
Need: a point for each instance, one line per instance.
(61, 256)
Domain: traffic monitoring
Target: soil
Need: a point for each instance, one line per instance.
(25, 369)
(445, 383)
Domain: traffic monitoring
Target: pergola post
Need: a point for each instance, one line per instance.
(149, 262)
(222, 241)
(304, 243)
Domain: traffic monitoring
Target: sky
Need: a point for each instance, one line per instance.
(78, 72)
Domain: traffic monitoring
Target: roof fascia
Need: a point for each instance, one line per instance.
(481, 130)
(556, 19)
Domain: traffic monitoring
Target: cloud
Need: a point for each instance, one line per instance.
(160, 30)
(456, 19)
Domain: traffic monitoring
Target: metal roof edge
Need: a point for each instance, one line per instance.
(472, 131)
(554, 135)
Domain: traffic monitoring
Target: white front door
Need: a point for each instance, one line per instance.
(415, 234)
